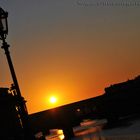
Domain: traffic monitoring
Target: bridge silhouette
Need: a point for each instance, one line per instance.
(65, 117)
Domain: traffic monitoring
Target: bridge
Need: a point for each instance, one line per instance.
(65, 117)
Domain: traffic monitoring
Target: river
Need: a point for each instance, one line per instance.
(93, 130)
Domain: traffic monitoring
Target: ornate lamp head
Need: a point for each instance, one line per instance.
(3, 24)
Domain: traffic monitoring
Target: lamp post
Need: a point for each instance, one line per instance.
(20, 102)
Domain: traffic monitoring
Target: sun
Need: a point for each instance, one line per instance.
(53, 99)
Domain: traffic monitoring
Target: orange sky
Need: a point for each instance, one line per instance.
(67, 50)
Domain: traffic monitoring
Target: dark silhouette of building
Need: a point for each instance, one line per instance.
(10, 126)
(121, 100)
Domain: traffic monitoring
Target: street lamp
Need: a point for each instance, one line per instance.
(20, 102)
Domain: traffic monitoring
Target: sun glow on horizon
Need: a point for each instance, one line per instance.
(53, 99)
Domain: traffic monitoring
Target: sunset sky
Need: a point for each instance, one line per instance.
(69, 49)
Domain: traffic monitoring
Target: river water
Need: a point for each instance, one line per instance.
(131, 132)
(87, 130)
(92, 131)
